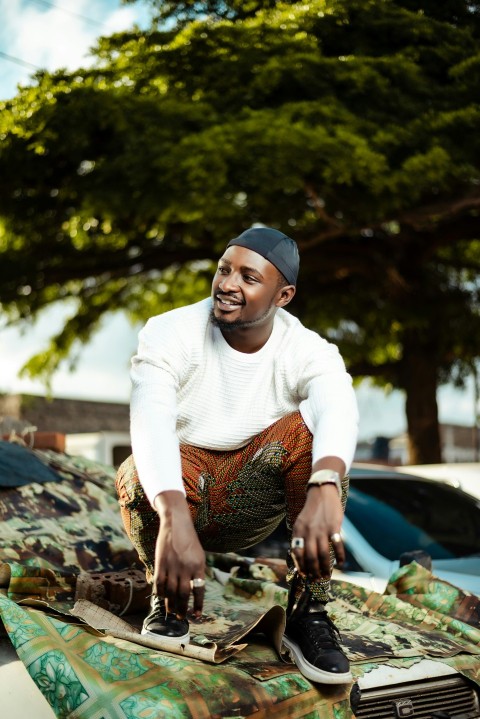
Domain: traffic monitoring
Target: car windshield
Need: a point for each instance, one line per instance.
(401, 515)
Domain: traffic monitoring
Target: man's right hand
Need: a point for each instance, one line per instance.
(179, 556)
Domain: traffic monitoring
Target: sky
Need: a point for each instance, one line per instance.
(58, 34)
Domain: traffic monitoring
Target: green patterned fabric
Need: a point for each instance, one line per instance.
(71, 528)
(85, 673)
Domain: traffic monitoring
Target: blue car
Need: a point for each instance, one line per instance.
(389, 515)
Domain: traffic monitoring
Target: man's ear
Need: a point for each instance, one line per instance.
(285, 295)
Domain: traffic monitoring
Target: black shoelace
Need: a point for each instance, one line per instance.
(322, 637)
(157, 607)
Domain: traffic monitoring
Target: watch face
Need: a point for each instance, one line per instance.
(325, 475)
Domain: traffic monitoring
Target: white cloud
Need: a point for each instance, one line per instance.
(102, 371)
(55, 37)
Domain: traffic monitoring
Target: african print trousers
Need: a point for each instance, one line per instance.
(236, 498)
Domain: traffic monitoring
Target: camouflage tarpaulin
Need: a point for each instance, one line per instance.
(49, 534)
(18, 466)
(71, 525)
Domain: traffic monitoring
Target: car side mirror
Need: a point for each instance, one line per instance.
(418, 556)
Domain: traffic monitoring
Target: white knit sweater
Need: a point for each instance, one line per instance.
(191, 387)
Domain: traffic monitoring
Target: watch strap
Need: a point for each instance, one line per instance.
(326, 476)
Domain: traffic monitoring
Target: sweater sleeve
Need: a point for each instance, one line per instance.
(153, 412)
(329, 406)
(330, 412)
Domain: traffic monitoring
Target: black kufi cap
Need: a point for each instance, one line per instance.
(277, 248)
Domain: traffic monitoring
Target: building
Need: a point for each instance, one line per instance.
(95, 430)
(459, 444)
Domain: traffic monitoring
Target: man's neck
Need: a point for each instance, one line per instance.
(247, 339)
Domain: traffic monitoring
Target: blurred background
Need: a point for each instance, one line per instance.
(136, 138)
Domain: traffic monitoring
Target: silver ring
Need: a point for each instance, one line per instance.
(335, 538)
(197, 583)
(298, 543)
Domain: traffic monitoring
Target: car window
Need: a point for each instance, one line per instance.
(401, 515)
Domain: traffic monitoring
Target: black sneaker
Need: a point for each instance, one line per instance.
(159, 624)
(313, 641)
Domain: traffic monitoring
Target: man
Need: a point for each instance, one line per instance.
(241, 416)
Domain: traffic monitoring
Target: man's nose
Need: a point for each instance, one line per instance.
(229, 282)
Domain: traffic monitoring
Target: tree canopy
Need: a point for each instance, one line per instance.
(352, 125)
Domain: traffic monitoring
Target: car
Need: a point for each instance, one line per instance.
(391, 514)
(20, 695)
(385, 691)
(465, 475)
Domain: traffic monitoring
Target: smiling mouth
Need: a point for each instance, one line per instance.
(227, 304)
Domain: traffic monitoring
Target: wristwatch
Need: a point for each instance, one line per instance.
(326, 476)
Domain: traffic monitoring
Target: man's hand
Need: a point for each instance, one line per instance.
(179, 556)
(321, 516)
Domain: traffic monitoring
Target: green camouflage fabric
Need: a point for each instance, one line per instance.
(70, 525)
(49, 539)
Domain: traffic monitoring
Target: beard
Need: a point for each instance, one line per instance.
(226, 326)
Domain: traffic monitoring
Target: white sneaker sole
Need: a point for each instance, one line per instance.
(312, 672)
(170, 641)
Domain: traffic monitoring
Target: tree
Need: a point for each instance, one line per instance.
(350, 124)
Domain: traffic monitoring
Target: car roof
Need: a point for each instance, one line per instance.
(358, 471)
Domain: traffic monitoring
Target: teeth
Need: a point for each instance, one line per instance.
(226, 302)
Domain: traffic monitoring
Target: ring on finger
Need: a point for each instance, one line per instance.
(298, 543)
(197, 583)
(335, 538)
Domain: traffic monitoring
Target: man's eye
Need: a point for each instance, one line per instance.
(222, 270)
(249, 278)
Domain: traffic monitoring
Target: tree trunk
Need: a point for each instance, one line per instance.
(420, 383)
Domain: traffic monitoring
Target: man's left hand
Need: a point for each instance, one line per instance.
(320, 518)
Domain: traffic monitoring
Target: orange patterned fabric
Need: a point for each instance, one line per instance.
(236, 498)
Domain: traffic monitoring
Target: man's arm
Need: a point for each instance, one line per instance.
(179, 556)
(153, 412)
(332, 412)
(320, 518)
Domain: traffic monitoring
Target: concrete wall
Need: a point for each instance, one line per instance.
(68, 416)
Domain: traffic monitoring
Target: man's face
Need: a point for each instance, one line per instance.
(245, 290)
